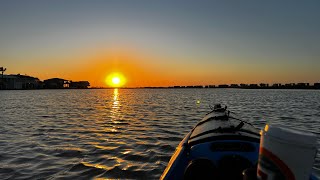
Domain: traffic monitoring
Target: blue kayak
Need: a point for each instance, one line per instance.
(218, 147)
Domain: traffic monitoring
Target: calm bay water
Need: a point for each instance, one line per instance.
(126, 133)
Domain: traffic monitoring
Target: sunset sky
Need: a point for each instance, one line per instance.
(162, 43)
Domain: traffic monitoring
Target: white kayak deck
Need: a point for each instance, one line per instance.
(212, 125)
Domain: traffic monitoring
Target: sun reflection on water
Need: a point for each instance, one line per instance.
(115, 107)
(115, 99)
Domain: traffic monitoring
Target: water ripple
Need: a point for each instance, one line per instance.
(126, 134)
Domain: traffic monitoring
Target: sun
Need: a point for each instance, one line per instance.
(115, 80)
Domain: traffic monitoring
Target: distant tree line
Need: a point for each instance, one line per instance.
(254, 86)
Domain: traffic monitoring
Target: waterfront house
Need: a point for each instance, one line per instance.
(18, 81)
(243, 85)
(223, 86)
(79, 84)
(234, 86)
(263, 85)
(56, 83)
(302, 85)
(253, 86)
(276, 85)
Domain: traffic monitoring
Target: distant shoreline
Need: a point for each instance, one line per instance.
(226, 86)
(160, 88)
(25, 82)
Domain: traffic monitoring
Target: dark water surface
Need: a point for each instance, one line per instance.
(125, 133)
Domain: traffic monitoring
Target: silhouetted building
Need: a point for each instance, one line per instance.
(79, 84)
(56, 83)
(316, 85)
(276, 85)
(289, 85)
(19, 82)
(254, 86)
(223, 86)
(302, 85)
(263, 85)
(243, 85)
(234, 86)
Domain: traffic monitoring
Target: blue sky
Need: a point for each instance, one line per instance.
(279, 40)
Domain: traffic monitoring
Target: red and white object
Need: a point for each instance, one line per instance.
(286, 153)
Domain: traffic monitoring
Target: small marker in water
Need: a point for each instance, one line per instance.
(198, 101)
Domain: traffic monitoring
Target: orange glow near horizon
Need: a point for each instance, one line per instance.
(125, 66)
(122, 67)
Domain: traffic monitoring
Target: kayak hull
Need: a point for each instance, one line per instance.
(214, 139)
(218, 147)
